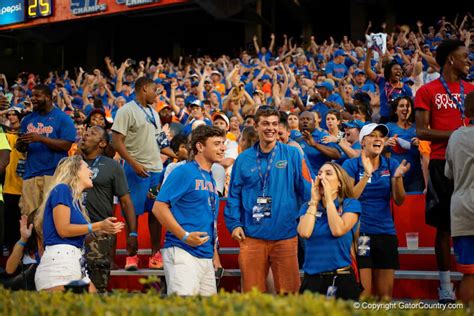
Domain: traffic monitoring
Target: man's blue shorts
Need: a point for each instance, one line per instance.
(464, 252)
(139, 187)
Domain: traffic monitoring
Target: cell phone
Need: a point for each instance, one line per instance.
(219, 274)
(154, 191)
(131, 62)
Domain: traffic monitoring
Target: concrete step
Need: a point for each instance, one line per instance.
(235, 251)
(399, 274)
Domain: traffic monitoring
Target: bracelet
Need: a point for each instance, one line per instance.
(89, 227)
(367, 175)
(133, 234)
(312, 203)
(311, 213)
(21, 243)
(186, 235)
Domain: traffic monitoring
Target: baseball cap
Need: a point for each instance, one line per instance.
(326, 85)
(369, 128)
(359, 72)
(222, 116)
(353, 124)
(339, 52)
(195, 102)
(215, 72)
(266, 77)
(162, 106)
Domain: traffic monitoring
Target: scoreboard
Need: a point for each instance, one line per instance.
(38, 8)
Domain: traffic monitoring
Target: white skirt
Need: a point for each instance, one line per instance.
(60, 264)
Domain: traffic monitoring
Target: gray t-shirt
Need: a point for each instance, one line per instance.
(109, 180)
(460, 167)
(134, 122)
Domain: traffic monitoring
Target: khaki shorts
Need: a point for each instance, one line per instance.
(33, 192)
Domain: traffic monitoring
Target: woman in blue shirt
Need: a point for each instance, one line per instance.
(328, 222)
(377, 179)
(403, 143)
(63, 224)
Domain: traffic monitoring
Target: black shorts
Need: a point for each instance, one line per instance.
(347, 286)
(438, 197)
(383, 253)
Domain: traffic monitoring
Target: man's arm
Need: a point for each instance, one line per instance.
(422, 118)
(4, 160)
(52, 143)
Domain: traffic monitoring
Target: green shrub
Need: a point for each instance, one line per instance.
(225, 304)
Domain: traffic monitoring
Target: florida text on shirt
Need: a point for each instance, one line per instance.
(208, 186)
(40, 129)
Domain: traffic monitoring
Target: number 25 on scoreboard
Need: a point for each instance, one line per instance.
(44, 7)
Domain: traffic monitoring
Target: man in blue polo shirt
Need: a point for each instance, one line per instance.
(47, 135)
(187, 206)
(327, 99)
(268, 182)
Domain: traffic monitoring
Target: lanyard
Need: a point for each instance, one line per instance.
(212, 198)
(95, 162)
(460, 105)
(263, 178)
(149, 118)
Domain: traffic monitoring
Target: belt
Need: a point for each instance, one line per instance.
(345, 270)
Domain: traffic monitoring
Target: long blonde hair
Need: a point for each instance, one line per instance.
(346, 190)
(67, 172)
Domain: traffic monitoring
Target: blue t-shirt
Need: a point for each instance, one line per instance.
(337, 70)
(388, 94)
(41, 160)
(315, 157)
(323, 109)
(375, 199)
(61, 195)
(411, 155)
(189, 197)
(324, 252)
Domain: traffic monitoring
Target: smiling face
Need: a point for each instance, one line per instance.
(460, 61)
(97, 119)
(373, 143)
(213, 150)
(403, 110)
(267, 128)
(396, 73)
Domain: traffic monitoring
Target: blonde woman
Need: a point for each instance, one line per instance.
(63, 224)
(328, 223)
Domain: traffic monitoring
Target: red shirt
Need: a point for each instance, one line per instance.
(444, 113)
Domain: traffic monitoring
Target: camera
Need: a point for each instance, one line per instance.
(131, 62)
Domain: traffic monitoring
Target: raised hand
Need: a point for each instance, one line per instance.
(368, 167)
(402, 169)
(25, 229)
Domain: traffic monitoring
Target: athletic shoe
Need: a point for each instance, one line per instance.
(447, 296)
(156, 262)
(131, 263)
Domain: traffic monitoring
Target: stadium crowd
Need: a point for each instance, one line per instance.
(309, 142)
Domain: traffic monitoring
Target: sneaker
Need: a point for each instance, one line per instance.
(131, 263)
(446, 296)
(156, 262)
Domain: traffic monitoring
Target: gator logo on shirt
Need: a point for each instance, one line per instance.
(41, 129)
(281, 164)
